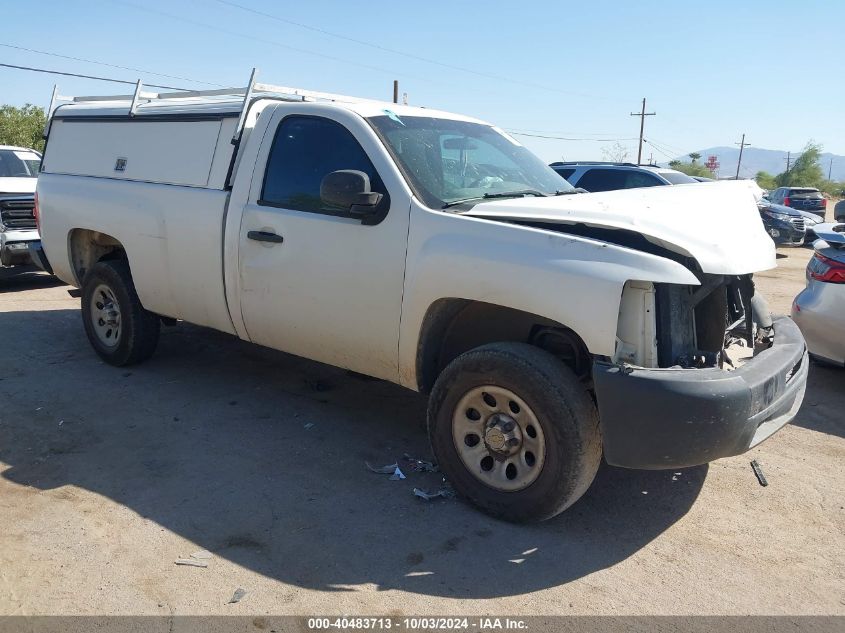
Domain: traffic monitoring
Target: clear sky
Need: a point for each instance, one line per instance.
(774, 70)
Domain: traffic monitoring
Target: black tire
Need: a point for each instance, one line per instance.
(137, 336)
(560, 403)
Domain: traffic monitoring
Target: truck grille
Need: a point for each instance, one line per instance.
(17, 213)
(798, 224)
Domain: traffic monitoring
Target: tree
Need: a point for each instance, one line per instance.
(806, 171)
(694, 156)
(691, 168)
(616, 153)
(766, 180)
(22, 126)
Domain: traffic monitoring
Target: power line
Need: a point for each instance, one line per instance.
(394, 51)
(565, 138)
(658, 149)
(533, 131)
(66, 74)
(270, 42)
(91, 61)
(663, 148)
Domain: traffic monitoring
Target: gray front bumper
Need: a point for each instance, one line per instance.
(673, 418)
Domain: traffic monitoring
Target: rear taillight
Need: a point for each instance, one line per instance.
(786, 201)
(824, 203)
(823, 268)
(35, 213)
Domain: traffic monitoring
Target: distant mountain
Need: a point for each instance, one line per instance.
(770, 160)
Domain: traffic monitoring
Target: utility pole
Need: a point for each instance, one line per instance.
(742, 145)
(395, 91)
(642, 114)
(830, 168)
(788, 160)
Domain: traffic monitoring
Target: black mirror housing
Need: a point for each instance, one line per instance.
(345, 188)
(349, 189)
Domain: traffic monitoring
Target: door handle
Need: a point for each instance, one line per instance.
(265, 236)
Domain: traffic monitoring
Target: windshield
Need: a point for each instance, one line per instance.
(448, 161)
(676, 177)
(18, 163)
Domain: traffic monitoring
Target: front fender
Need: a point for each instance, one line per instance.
(572, 280)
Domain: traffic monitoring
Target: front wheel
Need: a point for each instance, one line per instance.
(119, 329)
(515, 431)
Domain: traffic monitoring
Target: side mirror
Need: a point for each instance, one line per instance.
(349, 189)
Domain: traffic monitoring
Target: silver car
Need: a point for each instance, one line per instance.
(819, 310)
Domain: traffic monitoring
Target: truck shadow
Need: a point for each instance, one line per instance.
(259, 457)
(26, 278)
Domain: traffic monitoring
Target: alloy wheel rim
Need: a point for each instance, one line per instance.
(498, 438)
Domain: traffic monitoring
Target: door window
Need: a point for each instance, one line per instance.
(564, 172)
(603, 180)
(304, 151)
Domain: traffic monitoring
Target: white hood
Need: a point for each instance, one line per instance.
(717, 224)
(18, 185)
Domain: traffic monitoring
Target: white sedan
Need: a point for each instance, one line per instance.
(819, 310)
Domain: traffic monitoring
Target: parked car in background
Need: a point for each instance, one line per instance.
(784, 225)
(801, 198)
(810, 222)
(18, 176)
(819, 310)
(597, 176)
(839, 211)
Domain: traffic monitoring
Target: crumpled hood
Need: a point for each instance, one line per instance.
(18, 185)
(717, 224)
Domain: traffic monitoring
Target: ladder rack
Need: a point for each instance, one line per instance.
(251, 90)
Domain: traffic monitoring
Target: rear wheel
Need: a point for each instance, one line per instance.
(515, 431)
(119, 329)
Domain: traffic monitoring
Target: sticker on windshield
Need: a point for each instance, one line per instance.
(26, 155)
(507, 136)
(393, 116)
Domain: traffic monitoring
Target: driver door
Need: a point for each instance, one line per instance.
(315, 281)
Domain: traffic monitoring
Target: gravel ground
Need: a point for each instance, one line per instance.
(107, 476)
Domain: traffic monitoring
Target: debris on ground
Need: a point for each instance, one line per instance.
(191, 562)
(383, 470)
(308, 425)
(397, 475)
(420, 465)
(203, 554)
(755, 466)
(236, 597)
(446, 491)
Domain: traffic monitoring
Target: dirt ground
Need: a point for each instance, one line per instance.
(107, 476)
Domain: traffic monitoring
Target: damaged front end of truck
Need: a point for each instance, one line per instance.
(699, 371)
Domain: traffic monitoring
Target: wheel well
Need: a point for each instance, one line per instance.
(454, 326)
(88, 247)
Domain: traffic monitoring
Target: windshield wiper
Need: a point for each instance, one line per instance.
(499, 194)
(514, 194)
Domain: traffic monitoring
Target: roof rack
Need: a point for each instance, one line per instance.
(598, 162)
(251, 90)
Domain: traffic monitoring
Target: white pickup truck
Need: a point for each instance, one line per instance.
(549, 326)
(18, 172)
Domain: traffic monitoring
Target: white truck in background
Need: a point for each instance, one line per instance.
(18, 175)
(434, 251)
